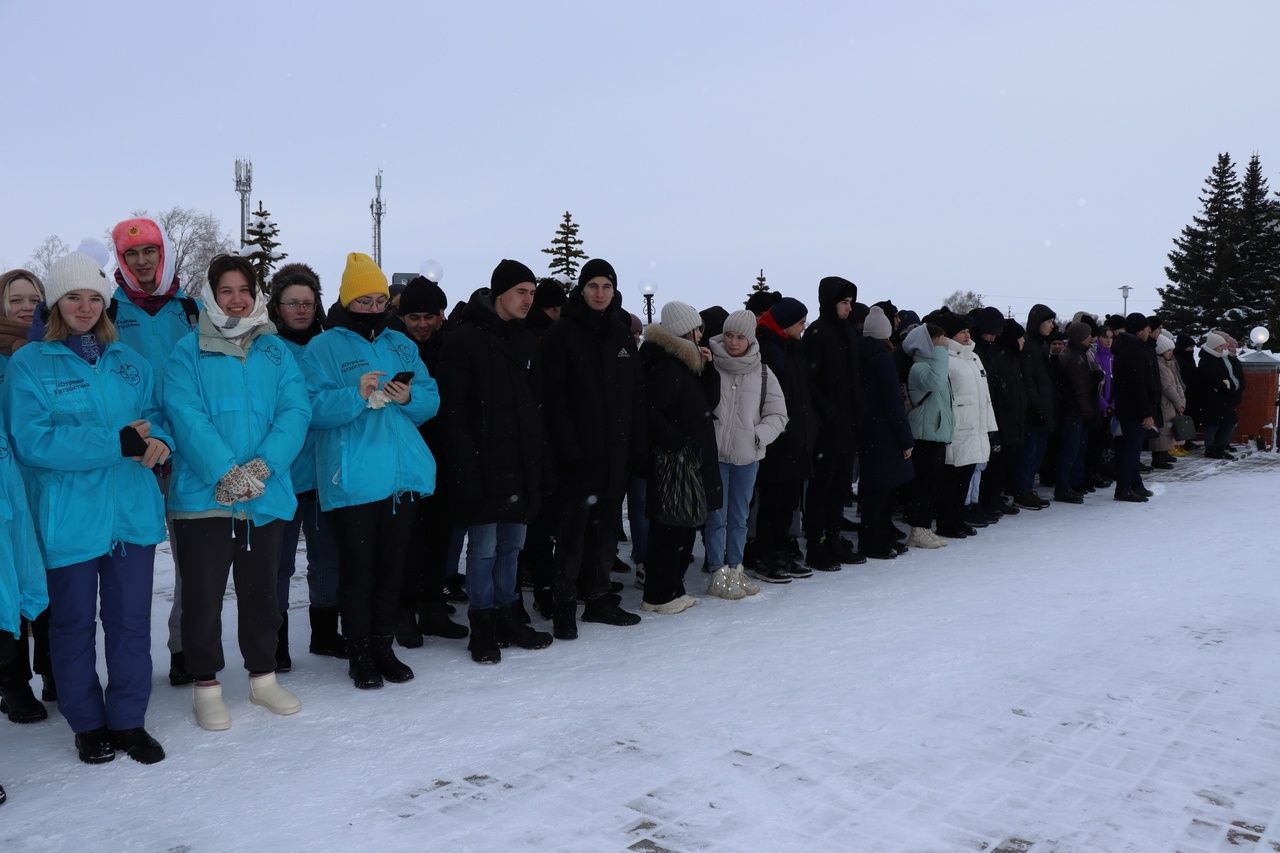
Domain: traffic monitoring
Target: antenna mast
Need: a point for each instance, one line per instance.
(244, 186)
(379, 210)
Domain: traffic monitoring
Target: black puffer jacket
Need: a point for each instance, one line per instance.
(790, 457)
(1077, 388)
(885, 432)
(682, 392)
(490, 421)
(1011, 415)
(831, 349)
(1135, 388)
(1037, 372)
(1222, 388)
(593, 400)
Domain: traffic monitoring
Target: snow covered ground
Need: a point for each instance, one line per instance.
(1104, 677)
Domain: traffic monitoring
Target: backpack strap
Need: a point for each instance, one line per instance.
(191, 309)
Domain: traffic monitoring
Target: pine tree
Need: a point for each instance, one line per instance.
(761, 286)
(564, 250)
(1204, 265)
(1258, 286)
(260, 246)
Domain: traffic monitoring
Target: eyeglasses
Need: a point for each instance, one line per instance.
(298, 306)
(375, 302)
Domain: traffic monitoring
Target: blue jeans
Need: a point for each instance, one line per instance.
(726, 530)
(322, 555)
(1029, 459)
(121, 580)
(1217, 436)
(492, 551)
(1072, 440)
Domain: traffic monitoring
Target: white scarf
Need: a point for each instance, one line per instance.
(233, 328)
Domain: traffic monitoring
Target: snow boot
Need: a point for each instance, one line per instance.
(325, 639)
(284, 663)
(364, 674)
(95, 747)
(18, 702)
(742, 582)
(722, 585)
(923, 537)
(543, 602)
(433, 620)
(266, 691)
(514, 632)
(847, 554)
(138, 744)
(608, 613)
(521, 615)
(211, 712)
(821, 556)
(564, 621)
(484, 642)
(385, 661)
(407, 633)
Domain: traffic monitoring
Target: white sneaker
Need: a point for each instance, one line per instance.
(264, 690)
(743, 582)
(688, 600)
(675, 605)
(639, 575)
(923, 537)
(211, 711)
(722, 585)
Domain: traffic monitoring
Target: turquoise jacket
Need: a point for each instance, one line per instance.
(929, 389)
(84, 495)
(362, 454)
(227, 406)
(153, 337)
(23, 594)
(4, 368)
(303, 472)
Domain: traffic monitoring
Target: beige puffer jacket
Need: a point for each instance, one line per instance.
(743, 428)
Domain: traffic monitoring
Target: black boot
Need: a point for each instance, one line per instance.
(178, 675)
(389, 666)
(49, 692)
(519, 634)
(360, 664)
(484, 641)
(95, 747)
(325, 639)
(433, 620)
(564, 620)
(18, 702)
(284, 663)
(407, 633)
(3, 795)
(543, 602)
(606, 612)
(518, 612)
(138, 745)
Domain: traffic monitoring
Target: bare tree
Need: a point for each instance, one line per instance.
(46, 253)
(963, 301)
(195, 239)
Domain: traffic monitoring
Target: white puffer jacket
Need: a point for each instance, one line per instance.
(743, 428)
(971, 401)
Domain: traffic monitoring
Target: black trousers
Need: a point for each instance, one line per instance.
(874, 532)
(586, 543)
(208, 549)
(991, 488)
(777, 504)
(539, 550)
(669, 550)
(423, 578)
(955, 488)
(928, 458)
(372, 540)
(828, 490)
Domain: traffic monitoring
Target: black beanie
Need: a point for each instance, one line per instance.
(550, 294)
(788, 312)
(1115, 322)
(953, 323)
(1135, 323)
(595, 267)
(506, 275)
(890, 310)
(1183, 342)
(762, 300)
(988, 321)
(713, 320)
(422, 296)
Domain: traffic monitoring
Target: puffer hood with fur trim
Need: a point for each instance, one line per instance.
(683, 349)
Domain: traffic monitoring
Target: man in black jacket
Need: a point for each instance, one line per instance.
(1078, 405)
(595, 416)
(1040, 400)
(831, 350)
(493, 438)
(1136, 391)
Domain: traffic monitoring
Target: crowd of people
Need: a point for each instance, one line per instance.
(393, 433)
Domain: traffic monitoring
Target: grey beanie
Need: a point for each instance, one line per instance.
(742, 323)
(877, 324)
(680, 319)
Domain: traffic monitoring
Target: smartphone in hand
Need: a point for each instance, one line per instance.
(404, 377)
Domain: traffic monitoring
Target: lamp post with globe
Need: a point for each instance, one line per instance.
(648, 288)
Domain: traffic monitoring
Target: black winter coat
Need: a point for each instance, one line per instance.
(885, 432)
(593, 401)
(1077, 387)
(682, 392)
(1011, 417)
(989, 354)
(491, 423)
(1036, 372)
(1220, 396)
(790, 456)
(1135, 389)
(831, 350)
(1191, 381)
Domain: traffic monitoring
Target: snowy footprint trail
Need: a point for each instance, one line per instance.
(1103, 677)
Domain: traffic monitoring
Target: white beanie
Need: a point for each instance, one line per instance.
(1212, 341)
(877, 324)
(680, 319)
(76, 271)
(743, 323)
(1164, 344)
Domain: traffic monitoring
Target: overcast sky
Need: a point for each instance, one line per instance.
(1030, 151)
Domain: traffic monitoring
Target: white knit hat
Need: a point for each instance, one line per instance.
(877, 324)
(1164, 344)
(1212, 341)
(680, 319)
(743, 323)
(76, 271)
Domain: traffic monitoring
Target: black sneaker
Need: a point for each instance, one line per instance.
(1069, 498)
(178, 675)
(138, 745)
(607, 613)
(821, 557)
(799, 570)
(772, 572)
(94, 747)
(1028, 500)
(974, 516)
(883, 554)
(848, 554)
(1130, 496)
(951, 532)
(1008, 509)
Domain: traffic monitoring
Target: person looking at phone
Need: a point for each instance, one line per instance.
(371, 464)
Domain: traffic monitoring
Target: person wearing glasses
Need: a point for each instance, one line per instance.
(370, 391)
(296, 310)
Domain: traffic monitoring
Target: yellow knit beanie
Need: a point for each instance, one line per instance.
(361, 278)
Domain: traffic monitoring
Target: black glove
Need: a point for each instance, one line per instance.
(131, 442)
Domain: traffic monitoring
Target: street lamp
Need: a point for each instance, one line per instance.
(1124, 291)
(648, 288)
(431, 270)
(1259, 336)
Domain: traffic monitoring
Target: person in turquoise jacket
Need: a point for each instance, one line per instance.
(239, 412)
(88, 438)
(23, 594)
(296, 309)
(371, 463)
(933, 424)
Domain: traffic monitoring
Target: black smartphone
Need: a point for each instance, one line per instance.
(404, 377)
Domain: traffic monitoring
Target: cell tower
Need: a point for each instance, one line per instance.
(379, 210)
(244, 186)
